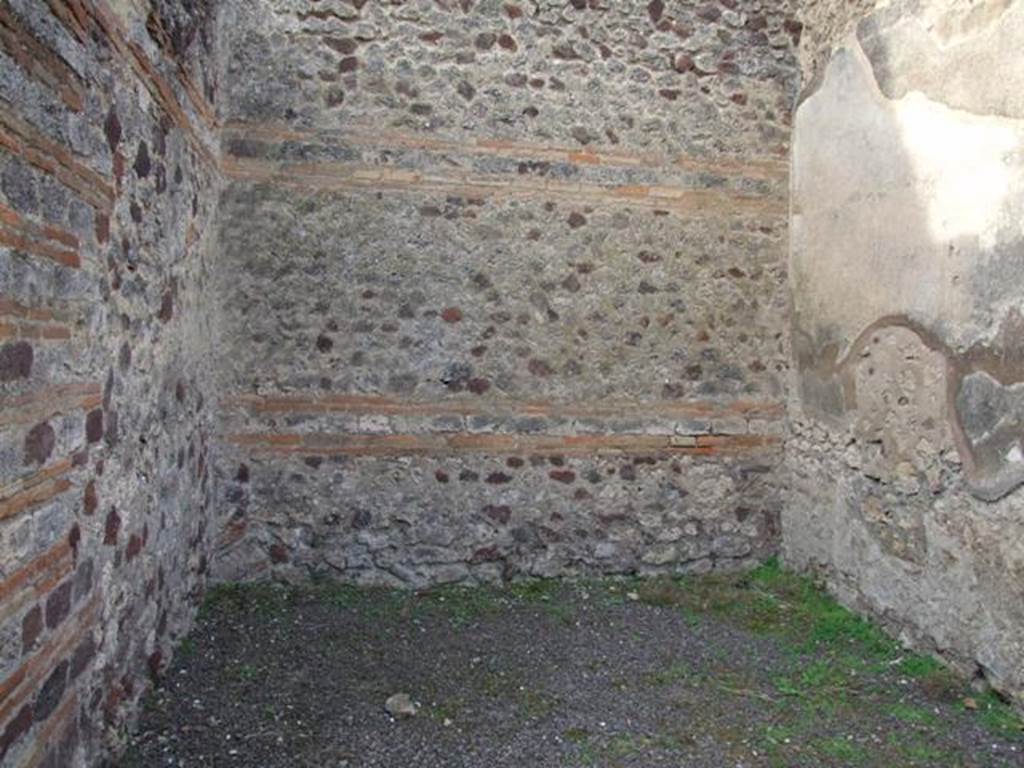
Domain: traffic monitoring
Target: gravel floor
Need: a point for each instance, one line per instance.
(735, 672)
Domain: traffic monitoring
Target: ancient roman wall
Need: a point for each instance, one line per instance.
(108, 183)
(498, 289)
(495, 289)
(906, 275)
(504, 286)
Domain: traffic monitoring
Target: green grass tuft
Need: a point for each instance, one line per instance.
(999, 717)
(908, 713)
(850, 752)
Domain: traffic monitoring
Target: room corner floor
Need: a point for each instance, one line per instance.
(755, 670)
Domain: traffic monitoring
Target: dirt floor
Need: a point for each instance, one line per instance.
(755, 670)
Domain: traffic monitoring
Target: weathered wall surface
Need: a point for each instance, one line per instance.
(107, 188)
(825, 26)
(505, 286)
(906, 270)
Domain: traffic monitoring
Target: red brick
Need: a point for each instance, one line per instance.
(39, 60)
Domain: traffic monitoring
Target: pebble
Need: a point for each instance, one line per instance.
(401, 705)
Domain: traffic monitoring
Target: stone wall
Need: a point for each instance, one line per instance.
(825, 26)
(495, 289)
(906, 272)
(504, 287)
(108, 184)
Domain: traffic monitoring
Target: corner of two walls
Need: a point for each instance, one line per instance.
(108, 185)
(905, 450)
(504, 288)
(406, 330)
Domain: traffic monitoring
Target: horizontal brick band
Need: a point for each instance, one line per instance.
(80, 16)
(36, 489)
(46, 403)
(13, 308)
(72, 14)
(148, 74)
(35, 579)
(770, 169)
(39, 61)
(21, 139)
(46, 241)
(443, 444)
(199, 103)
(372, 404)
(53, 730)
(48, 332)
(351, 177)
(27, 678)
(18, 321)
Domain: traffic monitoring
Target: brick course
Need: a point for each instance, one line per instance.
(108, 181)
(558, 236)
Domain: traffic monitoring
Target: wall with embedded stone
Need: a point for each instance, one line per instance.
(108, 183)
(906, 274)
(504, 287)
(495, 289)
